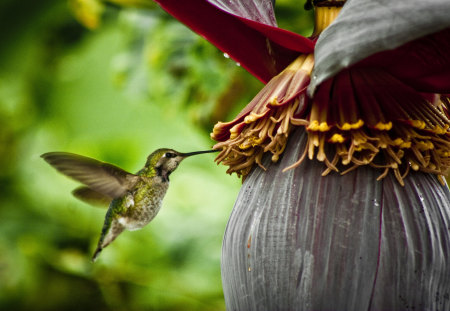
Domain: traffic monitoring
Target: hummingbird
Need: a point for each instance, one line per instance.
(134, 199)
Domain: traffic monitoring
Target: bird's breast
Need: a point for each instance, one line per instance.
(146, 205)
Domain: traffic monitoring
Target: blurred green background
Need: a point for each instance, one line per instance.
(113, 81)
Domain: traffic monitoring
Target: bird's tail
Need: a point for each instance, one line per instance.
(96, 253)
(108, 235)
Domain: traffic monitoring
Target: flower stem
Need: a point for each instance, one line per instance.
(324, 16)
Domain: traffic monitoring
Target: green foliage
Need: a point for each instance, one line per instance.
(139, 82)
(174, 67)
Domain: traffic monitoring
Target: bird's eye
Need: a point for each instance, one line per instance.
(170, 155)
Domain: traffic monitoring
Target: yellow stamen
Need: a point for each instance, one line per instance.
(336, 138)
(352, 126)
(316, 126)
(418, 124)
(383, 126)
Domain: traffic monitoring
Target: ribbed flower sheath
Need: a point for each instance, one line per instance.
(299, 241)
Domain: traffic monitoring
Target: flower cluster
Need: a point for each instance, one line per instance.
(264, 125)
(362, 116)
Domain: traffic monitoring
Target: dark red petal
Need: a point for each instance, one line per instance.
(423, 63)
(263, 50)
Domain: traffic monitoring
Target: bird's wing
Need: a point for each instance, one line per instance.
(92, 197)
(101, 177)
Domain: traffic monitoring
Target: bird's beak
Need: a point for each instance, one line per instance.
(185, 155)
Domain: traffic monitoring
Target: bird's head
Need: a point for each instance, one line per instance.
(165, 161)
